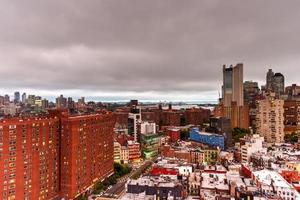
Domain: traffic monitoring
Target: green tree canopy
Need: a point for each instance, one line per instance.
(291, 138)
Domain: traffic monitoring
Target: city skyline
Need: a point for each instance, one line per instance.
(106, 97)
(161, 50)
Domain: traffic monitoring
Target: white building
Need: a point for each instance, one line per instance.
(252, 145)
(148, 127)
(184, 170)
(272, 182)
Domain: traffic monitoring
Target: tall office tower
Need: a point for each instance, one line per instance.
(269, 80)
(233, 85)
(17, 97)
(270, 119)
(232, 105)
(87, 151)
(61, 102)
(278, 84)
(29, 158)
(24, 98)
(6, 98)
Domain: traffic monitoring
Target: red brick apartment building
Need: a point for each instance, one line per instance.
(55, 156)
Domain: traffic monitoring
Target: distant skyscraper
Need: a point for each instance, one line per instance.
(45, 103)
(24, 98)
(31, 99)
(61, 102)
(233, 85)
(269, 80)
(6, 99)
(81, 101)
(17, 97)
(278, 84)
(70, 103)
(275, 83)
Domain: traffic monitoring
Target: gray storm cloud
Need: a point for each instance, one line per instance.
(141, 47)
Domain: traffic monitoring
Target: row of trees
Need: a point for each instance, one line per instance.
(119, 171)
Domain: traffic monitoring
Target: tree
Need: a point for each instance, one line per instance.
(291, 138)
(81, 197)
(184, 134)
(121, 170)
(238, 133)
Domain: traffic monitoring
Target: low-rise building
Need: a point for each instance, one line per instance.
(211, 156)
(134, 151)
(272, 182)
(174, 134)
(150, 145)
(117, 152)
(124, 154)
(159, 188)
(293, 165)
(252, 145)
(213, 140)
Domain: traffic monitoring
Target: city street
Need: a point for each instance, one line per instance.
(117, 190)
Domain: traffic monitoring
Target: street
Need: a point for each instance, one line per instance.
(117, 190)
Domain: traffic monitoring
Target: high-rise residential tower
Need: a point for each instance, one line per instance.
(251, 90)
(56, 156)
(233, 85)
(270, 119)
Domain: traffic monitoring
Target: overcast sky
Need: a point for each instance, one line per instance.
(154, 49)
